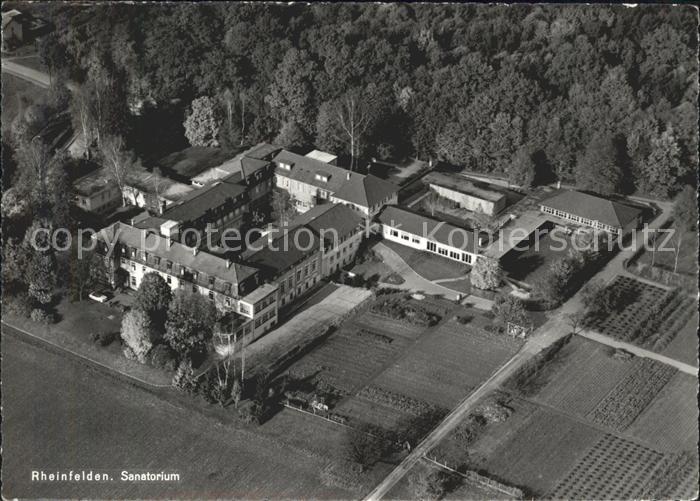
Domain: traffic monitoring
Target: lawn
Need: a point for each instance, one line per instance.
(60, 416)
(670, 422)
(666, 259)
(14, 90)
(684, 346)
(194, 160)
(428, 265)
(372, 270)
(531, 264)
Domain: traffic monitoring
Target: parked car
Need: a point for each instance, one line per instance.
(98, 296)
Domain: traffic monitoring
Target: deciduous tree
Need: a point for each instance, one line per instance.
(191, 319)
(486, 274)
(203, 122)
(153, 297)
(136, 333)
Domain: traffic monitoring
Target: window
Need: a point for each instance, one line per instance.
(415, 240)
(298, 274)
(195, 289)
(394, 233)
(431, 246)
(169, 280)
(211, 295)
(133, 266)
(467, 258)
(442, 251)
(133, 281)
(405, 236)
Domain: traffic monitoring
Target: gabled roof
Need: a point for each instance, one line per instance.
(426, 227)
(329, 217)
(285, 251)
(366, 191)
(196, 203)
(180, 254)
(592, 207)
(246, 163)
(304, 169)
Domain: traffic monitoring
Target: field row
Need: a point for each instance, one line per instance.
(632, 395)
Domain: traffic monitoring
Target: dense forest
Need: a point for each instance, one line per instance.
(601, 96)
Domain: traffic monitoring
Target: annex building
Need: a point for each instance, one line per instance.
(467, 194)
(426, 234)
(592, 211)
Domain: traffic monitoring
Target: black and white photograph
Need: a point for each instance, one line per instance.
(349, 251)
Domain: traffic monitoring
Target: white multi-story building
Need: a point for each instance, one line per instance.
(233, 287)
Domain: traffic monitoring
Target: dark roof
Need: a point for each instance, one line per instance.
(426, 227)
(92, 183)
(180, 254)
(591, 207)
(196, 203)
(263, 151)
(337, 217)
(464, 185)
(285, 251)
(366, 191)
(304, 170)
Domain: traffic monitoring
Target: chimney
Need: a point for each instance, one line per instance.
(228, 264)
(162, 207)
(195, 250)
(168, 243)
(347, 176)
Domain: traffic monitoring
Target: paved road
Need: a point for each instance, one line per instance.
(30, 74)
(554, 329)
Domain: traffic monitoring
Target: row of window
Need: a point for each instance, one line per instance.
(404, 236)
(578, 219)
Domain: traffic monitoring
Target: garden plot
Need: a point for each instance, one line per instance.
(631, 396)
(349, 358)
(543, 450)
(368, 411)
(670, 422)
(651, 316)
(444, 366)
(675, 478)
(582, 374)
(614, 468)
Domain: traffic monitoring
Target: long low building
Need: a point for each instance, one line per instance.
(468, 194)
(595, 212)
(423, 233)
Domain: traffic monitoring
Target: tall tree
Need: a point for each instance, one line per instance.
(136, 333)
(190, 323)
(598, 168)
(153, 297)
(663, 166)
(118, 161)
(203, 123)
(486, 274)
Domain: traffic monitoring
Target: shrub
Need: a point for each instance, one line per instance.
(162, 357)
(104, 338)
(184, 377)
(41, 316)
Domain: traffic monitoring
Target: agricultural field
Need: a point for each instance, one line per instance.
(670, 421)
(447, 363)
(631, 396)
(92, 421)
(684, 346)
(541, 452)
(614, 468)
(580, 376)
(649, 317)
(355, 353)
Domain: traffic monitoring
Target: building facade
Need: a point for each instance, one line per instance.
(593, 212)
(467, 194)
(422, 233)
(131, 253)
